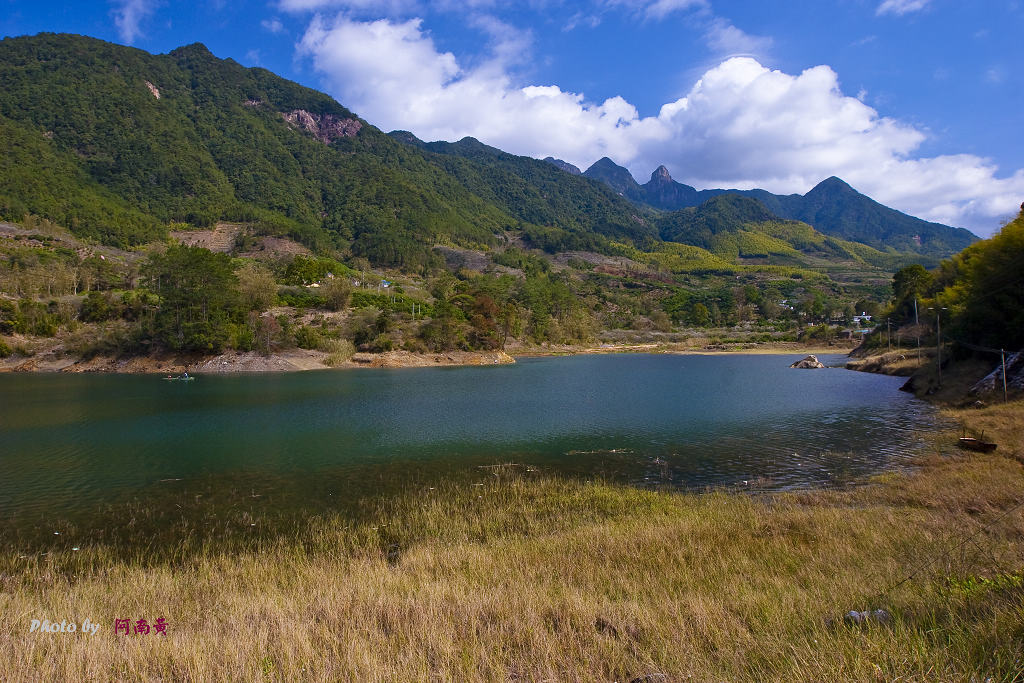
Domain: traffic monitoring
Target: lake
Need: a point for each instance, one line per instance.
(71, 442)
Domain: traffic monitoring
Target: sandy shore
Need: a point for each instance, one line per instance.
(774, 348)
(293, 360)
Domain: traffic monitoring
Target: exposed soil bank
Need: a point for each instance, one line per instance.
(246, 361)
(781, 348)
(900, 363)
(56, 359)
(961, 381)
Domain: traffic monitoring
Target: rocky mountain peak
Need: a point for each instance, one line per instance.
(661, 174)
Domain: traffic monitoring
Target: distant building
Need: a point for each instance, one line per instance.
(862, 318)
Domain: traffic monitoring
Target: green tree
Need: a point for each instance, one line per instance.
(987, 298)
(256, 286)
(909, 284)
(701, 316)
(198, 292)
(336, 292)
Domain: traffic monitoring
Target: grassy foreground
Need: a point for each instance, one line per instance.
(521, 579)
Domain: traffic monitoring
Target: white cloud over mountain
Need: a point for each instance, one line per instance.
(741, 125)
(129, 15)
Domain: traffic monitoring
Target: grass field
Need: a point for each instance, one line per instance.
(545, 579)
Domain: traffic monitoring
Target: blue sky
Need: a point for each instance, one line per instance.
(915, 102)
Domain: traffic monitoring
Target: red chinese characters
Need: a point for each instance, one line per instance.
(141, 627)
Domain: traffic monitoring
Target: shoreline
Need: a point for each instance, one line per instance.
(433, 583)
(298, 360)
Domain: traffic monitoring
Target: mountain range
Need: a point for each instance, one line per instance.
(120, 145)
(832, 207)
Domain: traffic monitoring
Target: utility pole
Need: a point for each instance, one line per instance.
(888, 333)
(1002, 357)
(938, 331)
(917, 331)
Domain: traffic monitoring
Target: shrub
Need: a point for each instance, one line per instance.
(336, 292)
(95, 308)
(339, 351)
(307, 337)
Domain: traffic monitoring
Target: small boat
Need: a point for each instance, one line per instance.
(971, 444)
(184, 378)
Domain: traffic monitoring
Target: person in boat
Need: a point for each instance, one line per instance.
(186, 375)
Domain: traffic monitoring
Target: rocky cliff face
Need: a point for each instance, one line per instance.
(992, 384)
(326, 128)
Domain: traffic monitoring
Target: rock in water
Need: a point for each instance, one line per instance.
(809, 363)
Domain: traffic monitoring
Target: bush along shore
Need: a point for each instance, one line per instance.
(512, 575)
(235, 298)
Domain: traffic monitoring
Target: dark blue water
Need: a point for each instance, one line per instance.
(68, 441)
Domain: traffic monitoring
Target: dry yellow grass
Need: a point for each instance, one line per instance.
(555, 580)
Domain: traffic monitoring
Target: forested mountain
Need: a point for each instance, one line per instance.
(120, 145)
(732, 227)
(558, 210)
(128, 142)
(832, 207)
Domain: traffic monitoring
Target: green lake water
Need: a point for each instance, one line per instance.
(71, 442)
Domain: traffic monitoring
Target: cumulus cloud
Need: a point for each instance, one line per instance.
(741, 125)
(129, 15)
(901, 7)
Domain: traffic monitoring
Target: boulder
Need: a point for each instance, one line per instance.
(992, 383)
(808, 363)
(855, 618)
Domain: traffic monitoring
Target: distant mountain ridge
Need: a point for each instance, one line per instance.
(832, 207)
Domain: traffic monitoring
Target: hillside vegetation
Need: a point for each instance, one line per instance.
(486, 249)
(976, 301)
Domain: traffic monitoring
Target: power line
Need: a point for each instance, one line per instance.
(947, 553)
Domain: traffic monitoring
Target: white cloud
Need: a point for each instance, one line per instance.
(741, 125)
(657, 9)
(901, 7)
(128, 16)
(995, 75)
(509, 45)
(384, 8)
(273, 25)
(725, 39)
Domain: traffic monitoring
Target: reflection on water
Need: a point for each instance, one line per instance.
(70, 442)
